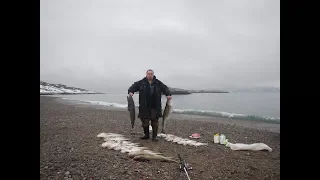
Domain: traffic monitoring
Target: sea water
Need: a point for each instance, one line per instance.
(259, 106)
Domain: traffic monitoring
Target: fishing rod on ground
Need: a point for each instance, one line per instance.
(184, 166)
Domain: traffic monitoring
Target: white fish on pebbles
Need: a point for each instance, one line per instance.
(180, 140)
(119, 143)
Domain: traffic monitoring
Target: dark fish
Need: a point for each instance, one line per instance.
(166, 113)
(148, 157)
(144, 155)
(131, 109)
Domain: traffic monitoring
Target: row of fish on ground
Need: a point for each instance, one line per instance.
(119, 143)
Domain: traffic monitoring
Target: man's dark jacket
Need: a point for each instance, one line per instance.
(149, 96)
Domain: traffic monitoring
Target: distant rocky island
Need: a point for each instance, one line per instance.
(258, 89)
(51, 89)
(207, 91)
(177, 91)
(183, 91)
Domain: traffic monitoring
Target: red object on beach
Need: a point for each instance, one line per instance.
(195, 136)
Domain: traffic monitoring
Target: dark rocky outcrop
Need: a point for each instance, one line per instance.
(177, 91)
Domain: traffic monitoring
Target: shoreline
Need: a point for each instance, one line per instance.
(255, 124)
(70, 149)
(254, 118)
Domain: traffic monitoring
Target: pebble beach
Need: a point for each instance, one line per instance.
(70, 149)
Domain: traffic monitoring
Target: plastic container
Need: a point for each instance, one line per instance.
(216, 138)
(222, 139)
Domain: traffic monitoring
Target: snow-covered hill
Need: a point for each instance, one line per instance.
(47, 88)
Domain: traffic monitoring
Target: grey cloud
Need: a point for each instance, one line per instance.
(106, 45)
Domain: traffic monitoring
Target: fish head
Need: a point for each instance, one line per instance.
(169, 102)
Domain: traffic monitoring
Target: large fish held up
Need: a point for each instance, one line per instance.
(131, 109)
(166, 113)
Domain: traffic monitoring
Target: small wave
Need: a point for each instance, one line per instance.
(195, 112)
(102, 103)
(226, 114)
(111, 104)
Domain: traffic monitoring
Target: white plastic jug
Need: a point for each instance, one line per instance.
(222, 139)
(216, 138)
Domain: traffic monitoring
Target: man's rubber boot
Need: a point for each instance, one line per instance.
(146, 133)
(154, 133)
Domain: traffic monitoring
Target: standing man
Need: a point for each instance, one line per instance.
(150, 89)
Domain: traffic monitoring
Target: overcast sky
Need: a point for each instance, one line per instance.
(106, 45)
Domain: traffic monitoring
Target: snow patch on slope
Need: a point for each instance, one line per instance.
(47, 88)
